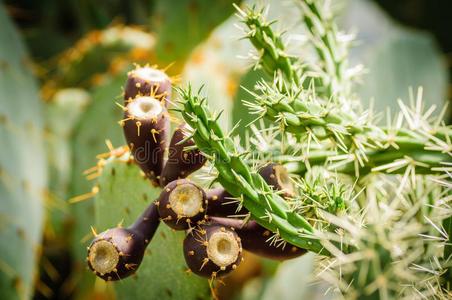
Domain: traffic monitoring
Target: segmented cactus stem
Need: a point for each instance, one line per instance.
(267, 207)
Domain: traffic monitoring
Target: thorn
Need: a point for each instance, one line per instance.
(94, 232)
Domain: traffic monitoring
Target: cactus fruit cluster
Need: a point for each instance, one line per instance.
(213, 245)
(371, 200)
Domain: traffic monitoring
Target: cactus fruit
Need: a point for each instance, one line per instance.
(182, 204)
(148, 81)
(212, 250)
(146, 126)
(223, 204)
(182, 158)
(23, 166)
(258, 240)
(198, 16)
(117, 253)
(276, 176)
(97, 54)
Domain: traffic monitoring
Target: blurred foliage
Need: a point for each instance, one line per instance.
(23, 171)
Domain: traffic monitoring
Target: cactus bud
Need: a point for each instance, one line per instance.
(117, 253)
(181, 163)
(212, 250)
(147, 81)
(277, 176)
(146, 127)
(221, 203)
(182, 204)
(258, 240)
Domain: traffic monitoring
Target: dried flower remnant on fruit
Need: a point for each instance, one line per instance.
(148, 81)
(182, 204)
(146, 126)
(212, 250)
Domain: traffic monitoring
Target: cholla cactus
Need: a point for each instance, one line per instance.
(380, 233)
(370, 199)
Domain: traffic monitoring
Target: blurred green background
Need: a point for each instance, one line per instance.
(62, 65)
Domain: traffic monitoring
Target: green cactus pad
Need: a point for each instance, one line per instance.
(198, 17)
(123, 194)
(23, 170)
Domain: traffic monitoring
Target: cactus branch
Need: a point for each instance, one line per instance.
(267, 207)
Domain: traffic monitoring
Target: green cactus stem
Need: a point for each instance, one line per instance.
(268, 208)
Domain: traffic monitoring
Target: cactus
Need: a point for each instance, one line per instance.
(117, 252)
(146, 125)
(23, 169)
(97, 54)
(326, 216)
(182, 204)
(183, 158)
(259, 240)
(200, 17)
(62, 114)
(123, 195)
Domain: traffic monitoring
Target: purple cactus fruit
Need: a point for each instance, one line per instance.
(182, 204)
(146, 126)
(258, 240)
(147, 81)
(181, 161)
(117, 252)
(221, 203)
(212, 250)
(277, 177)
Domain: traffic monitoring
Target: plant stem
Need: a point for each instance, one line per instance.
(267, 207)
(324, 39)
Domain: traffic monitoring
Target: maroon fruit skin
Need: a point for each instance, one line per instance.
(256, 239)
(130, 244)
(222, 204)
(147, 140)
(139, 85)
(181, 163)
(196, 255)
(170, 217)
(276, 176)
